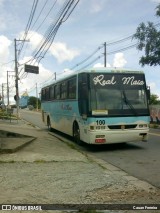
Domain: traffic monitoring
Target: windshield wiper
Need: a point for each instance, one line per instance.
(128, 103)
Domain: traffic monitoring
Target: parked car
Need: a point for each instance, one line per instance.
(30, 107)
(2, 106)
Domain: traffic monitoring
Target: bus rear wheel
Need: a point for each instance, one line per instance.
(76, 134)
(49, 124)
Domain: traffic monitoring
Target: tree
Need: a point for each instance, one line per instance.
(154, 99)
(149, 40)
(33, 101)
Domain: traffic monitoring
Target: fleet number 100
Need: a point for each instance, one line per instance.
(100, 122)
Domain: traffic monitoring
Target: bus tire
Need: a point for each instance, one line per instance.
(49, 124)
(76, 134)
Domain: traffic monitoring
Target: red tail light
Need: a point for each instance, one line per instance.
(100, 140)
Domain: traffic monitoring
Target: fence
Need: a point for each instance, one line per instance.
(155, 114)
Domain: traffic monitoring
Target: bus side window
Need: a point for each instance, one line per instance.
(83, 93)
(72, 88)
(63, 90)
(47, 94)
(51, 92)
(42, 95)
(57, 91)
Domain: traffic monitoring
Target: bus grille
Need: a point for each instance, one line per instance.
(122, 126)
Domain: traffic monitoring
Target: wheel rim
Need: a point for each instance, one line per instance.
(76, 134)
(49, 125)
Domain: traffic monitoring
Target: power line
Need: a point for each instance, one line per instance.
(86, 58)
(44, 5)
(36, 30)
(34, 6)
(109, 53)
(40, 25)
(123, 49)
(90, 63)
(119, 41)
(49, 36)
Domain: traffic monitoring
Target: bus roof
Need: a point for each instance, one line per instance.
(112, 70)
(94, 70)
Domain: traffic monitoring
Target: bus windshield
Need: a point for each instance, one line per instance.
(118, 94)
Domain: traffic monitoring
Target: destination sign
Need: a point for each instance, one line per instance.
(110, 80)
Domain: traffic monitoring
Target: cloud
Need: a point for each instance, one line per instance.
(67, 72)
(97, 6)
(101, 65)
(58, 49)
(29, 80)
(119, 60)
(4, 56)
(35, 39)
(152, 85)
(1, 2)
(4, 48)
(154, 88)
(158, 1)
(62, 53)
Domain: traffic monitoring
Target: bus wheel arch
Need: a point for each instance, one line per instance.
(76, 133)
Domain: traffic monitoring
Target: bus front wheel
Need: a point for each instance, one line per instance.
(76, 134)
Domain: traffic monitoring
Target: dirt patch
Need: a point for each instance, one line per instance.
(124, 196)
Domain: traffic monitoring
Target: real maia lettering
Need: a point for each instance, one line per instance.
(100, 80)
(125, 81)
(132, 81)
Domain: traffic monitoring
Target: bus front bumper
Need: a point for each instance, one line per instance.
(118, 136)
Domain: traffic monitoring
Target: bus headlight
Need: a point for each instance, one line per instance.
(143, 125)
(91, 127)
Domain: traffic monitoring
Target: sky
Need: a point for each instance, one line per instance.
(90, 25)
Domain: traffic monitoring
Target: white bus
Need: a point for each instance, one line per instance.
(98, 106)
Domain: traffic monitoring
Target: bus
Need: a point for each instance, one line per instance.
(98, 106)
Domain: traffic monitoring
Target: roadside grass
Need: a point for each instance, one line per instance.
(154, 125)
(7, 116)
(89, 211)
(10, 161)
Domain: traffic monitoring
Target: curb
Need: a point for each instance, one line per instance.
(11, 141)
(142, 184)
(18, 147)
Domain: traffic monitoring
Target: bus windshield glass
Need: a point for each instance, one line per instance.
(117, 94)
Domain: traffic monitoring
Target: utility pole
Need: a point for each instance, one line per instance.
(7, 91)
(37, 98)
(16, 76)
(2, 94)
(105, 54)
(8, 88)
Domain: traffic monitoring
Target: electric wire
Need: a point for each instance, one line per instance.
(40, 13)
(109, 53)
(94, 60)
(86, 58)
(32, 27)
(123, 49)
(51, 32)
(34, 6)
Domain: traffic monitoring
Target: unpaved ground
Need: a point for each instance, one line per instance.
(68, 182)
(49, 171)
